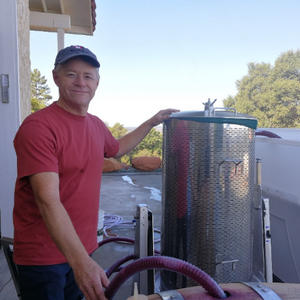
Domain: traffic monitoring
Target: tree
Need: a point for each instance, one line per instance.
(271, 94)
(151, 145)
(40, 92)
(118, 130)
(152, 142)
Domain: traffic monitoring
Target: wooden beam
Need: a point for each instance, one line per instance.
(62, 7)
(44, 6)
(45, 20)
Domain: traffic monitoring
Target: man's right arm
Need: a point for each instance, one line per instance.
(89, 276)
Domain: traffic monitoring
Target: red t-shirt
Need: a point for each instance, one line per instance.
(54, 140)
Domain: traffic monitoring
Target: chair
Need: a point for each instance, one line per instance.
(8, 252)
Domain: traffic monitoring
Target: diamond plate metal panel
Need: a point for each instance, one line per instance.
(207, 199)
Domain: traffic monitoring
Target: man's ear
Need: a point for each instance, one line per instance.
(55, 77)
(98, 82)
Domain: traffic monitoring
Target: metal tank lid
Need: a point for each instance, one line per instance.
(213, 114)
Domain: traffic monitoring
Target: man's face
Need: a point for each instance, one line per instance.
(77, 81)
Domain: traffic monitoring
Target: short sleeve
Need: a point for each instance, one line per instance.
(111, 146)
(35, 146)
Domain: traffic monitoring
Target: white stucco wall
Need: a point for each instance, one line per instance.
(24, 57)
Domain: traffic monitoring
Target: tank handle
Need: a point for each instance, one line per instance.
(236, 162)
(224, 108)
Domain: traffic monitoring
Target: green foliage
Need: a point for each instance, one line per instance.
(152, 142)
(271, 94)
(118, 130)
(150, 146)
(40, 92)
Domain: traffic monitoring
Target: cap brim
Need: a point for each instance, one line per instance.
(92, 60)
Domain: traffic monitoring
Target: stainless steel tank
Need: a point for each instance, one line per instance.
(208, 193)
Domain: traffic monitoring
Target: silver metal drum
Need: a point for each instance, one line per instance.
(207, 195)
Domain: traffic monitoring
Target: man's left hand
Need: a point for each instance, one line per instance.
(162, 115)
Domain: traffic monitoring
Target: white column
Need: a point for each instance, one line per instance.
(9, 112)
(48, 20)
(60, 38)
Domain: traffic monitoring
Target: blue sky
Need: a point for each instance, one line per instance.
(156, 54)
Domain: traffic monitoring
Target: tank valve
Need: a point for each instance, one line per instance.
(208, 107)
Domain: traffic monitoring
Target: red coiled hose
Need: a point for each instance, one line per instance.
(116, 239)
(117, 264)
(167, 263)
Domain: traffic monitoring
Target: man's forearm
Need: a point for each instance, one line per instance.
(132, 139)
(56, 218)
(63, 233)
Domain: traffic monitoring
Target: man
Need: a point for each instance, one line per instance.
(60, 151)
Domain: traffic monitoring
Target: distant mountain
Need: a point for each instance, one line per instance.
(130, 128)
(158, 128)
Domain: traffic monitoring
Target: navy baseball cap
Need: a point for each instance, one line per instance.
(74, 51)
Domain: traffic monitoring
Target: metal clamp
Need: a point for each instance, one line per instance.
(170, 295)
(225, 109)
(265, 292)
